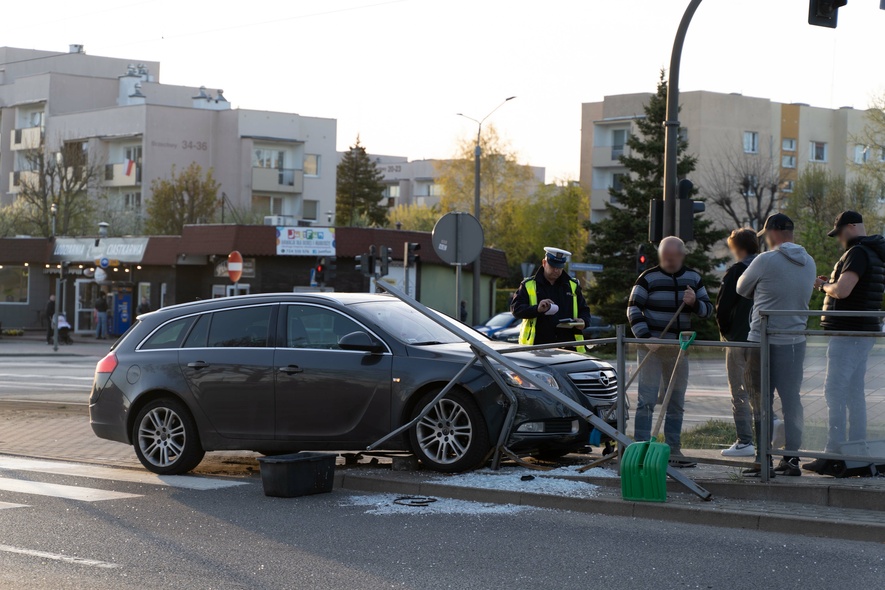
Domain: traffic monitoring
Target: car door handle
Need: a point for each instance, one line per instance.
(198, 365)
(291, 369)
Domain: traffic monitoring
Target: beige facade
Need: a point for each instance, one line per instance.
(728, 133)
(280, 165)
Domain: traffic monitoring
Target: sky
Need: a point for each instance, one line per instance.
(396, 72)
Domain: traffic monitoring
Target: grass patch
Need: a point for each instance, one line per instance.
(717, 434)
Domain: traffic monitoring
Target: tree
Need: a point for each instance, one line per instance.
(65, 178)
(186, 198)
(504, 182)
(360, 189)
(743, 189)
(413, 217)
(614, 240)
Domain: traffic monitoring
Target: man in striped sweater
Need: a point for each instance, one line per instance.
(654, 300)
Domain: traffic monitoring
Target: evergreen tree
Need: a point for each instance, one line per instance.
(614, 241)
(359, 193)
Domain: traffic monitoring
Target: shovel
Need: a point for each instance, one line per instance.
(644, 465)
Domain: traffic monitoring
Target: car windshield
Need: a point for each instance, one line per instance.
(501, 320)
(406, 324)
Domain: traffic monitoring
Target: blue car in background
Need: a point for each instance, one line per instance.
(496, 323)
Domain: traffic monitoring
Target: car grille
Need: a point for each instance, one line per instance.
(600, 385)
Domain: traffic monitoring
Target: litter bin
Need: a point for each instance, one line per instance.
(298, 474)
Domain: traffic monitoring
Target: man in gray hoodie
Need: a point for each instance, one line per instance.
(780, 279)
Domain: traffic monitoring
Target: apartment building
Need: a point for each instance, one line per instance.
(725, 132)
(416, 182)
(279, 165)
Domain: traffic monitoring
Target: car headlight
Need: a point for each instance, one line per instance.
(515, 380)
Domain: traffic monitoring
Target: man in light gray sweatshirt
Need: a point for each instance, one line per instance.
(780, 279)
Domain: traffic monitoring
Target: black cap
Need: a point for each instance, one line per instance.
(776, 221)
(843, 219)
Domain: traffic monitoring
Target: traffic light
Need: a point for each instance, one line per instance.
(332, 268)
(641, 259)
(413, 248)
(319, 271)
(825, 13)
(686, 209)
(384, 259)
(656, 221)
(366, 264)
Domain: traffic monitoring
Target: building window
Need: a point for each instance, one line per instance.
(309, 209)
(683, 134)
(619, 140)
(818, 151)
(788, 145)
(787, 187)
(13, 284)
(266, 205)
(311, 165)
(392, 191)
(434, 190)
(788, 161)
(861, 154)
(882, 154)
(751, 142)
(617, 182)
(268, 158)
(132, 201)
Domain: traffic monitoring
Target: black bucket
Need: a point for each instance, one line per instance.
(298, 474)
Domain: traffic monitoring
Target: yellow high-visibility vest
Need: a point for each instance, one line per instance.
(527, 333)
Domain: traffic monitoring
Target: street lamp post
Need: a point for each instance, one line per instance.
(477, 168)
(53, 212)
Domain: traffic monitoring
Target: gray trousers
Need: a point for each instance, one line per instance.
(735, 368)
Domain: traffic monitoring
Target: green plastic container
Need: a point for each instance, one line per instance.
(644, 472)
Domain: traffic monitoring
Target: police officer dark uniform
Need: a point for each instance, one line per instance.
(550, 303)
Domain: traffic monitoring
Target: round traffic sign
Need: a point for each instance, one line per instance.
(235, 266)
(104, 263)
(458, 238)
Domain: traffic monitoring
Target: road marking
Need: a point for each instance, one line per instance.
(45, 376)
(11, 505)
(58, 557)
(190, 482)
(60, 491)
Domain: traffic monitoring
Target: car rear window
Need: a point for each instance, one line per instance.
(168, 336)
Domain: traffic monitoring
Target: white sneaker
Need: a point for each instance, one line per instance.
(739, 449)
(778, 438)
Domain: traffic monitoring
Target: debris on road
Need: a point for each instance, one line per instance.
(389, 504)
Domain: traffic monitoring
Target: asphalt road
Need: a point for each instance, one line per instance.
(155, 536)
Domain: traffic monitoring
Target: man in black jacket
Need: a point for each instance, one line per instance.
(50, 317)
(857, 284)
(733, 318)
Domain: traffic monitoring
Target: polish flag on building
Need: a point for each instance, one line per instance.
(130, 164)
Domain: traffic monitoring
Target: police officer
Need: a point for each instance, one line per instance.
(550, 304)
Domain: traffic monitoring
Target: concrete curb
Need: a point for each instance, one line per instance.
(699, 513)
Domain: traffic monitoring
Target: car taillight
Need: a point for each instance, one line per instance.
(107, 364)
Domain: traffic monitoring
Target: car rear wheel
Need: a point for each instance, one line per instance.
(165, 438)
(453, 436)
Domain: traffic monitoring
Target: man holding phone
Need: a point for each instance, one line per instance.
(550, 303)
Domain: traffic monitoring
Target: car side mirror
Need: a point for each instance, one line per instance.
(361, 342)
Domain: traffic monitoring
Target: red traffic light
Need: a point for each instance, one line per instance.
(319, 268)
(642, 259)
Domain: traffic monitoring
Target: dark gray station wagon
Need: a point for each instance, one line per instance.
(290, 372)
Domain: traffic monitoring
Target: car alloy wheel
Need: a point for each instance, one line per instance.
(445, 433)
(165, 437)
(162, 437)
(453, 436)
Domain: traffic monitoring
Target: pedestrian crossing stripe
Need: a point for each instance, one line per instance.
(55, 490)
(191, 482)
(11, 505)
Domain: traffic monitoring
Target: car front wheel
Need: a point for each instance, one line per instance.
(165, 438)
(453, 436)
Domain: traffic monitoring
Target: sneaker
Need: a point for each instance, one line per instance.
(788, 467)
(739, 449)
(819, 466)
(680, 461)
(778, 436)
(756, 471)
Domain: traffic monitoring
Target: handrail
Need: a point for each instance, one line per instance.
(834, 313)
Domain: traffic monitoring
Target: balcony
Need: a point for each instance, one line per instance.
(22, 177)
(606, 156)
(285, 180)
(28, 138)
(122, 174)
